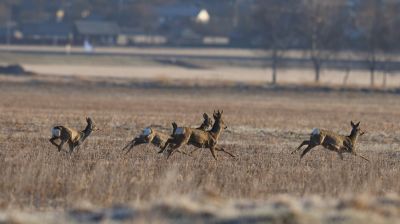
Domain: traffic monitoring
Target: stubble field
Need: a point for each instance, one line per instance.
(264, 126)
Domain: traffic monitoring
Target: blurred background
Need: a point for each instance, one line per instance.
(343, 42)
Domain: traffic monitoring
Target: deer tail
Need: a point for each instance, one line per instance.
(56, 131)
(315, 131)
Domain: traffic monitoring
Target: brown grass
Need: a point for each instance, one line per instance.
(263, 127)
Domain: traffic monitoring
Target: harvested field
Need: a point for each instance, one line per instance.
(264, 126)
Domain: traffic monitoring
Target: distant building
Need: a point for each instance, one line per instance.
(131, 36)
(178, 23)
(45, 33)
(97, 32)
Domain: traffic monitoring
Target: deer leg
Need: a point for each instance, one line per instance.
(219, 148)
(128, 145)
(194, 151)
(170, 144)
(133, 143)
(138, 141)
(361, 157)
(305, 142)
(167, 143)
(340, 154)
(130, 148)
(309, 147)
(71, 147)
(183, 152)
(77, 145)
(61, 145)
(52, 141)
(172, 149)
(212, 150)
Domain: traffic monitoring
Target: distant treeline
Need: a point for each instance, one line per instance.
(345, 24)
(324, 28)
(320, 27)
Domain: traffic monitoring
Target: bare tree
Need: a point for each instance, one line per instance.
(323, 29)
(391, 37)
(276, 21)
(374, 22)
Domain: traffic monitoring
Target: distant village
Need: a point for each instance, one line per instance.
(123, 22)
(367, 25)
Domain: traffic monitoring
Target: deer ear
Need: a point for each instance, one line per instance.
(352, 124)
(358, 124)
(205, 116)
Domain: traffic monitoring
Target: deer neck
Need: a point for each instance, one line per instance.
(86, 132)
(216, 130)
(353, 137)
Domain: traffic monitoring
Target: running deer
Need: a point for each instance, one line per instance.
(199, 138)
(159, 139)
(333, 141)
(204, 126)
(72, 137)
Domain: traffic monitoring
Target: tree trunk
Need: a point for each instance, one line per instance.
(372, 67)
(384, 79)
(372, 73)
(346, 77)
(274, 67)
(317, 69)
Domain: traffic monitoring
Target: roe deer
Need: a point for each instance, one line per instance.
(160, 139)
(72, 137)
(199, 138)
(204, 126)
(148, 135)
(334, 142)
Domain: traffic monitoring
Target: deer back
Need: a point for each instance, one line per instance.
(159, 139)
(201, 138)
(328, 138)
(66, 133)
(209, 138)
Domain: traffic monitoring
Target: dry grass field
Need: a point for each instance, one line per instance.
(264, 126)
(264, 184)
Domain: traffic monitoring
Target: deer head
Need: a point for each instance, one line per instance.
(91, 125)
(356, 130)
(355, 133)
(207, 122)
(218, 119)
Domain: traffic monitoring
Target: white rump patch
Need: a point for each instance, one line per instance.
(146, 132)
(180, 131)
(56, 132)
(315, 131)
